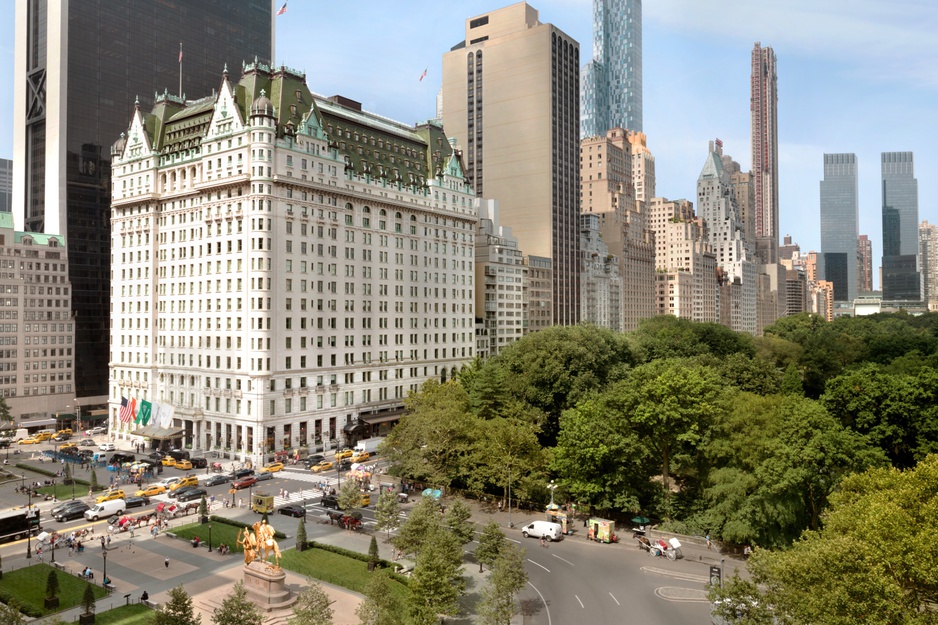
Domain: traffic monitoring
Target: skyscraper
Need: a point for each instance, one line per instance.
(928, 261)
(864, 264)
(764, 121)
(6, 185)
(839, 225)
(611, 84)
(79, 66)
(900, 227)
(511, 100)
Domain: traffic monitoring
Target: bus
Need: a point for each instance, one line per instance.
(15, 524)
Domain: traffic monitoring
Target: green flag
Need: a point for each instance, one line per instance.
(143, 412)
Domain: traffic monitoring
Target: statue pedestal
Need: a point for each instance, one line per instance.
(266, 586)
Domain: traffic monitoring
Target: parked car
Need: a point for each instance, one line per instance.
(198, 463)
(72, 510)
(136, 502)
(293, 510)
(245, 482)
(264, 475)
(151, 491)
(216, 479)
(330, 501)
(107, 447)
(322, 466)
(191, 493)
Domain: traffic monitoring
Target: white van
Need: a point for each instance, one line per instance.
(17, 434)
(538, 529)
(106, 509)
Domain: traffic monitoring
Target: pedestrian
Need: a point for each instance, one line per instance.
(709, 544)
(132, 528)
(166, 562)
(108, 540)
(103, 546)
(39, 553)
(70, 549)
(240, 502)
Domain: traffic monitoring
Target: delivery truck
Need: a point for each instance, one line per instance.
(369, 444)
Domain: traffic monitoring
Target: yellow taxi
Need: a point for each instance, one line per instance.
(43, 436)
(273, 467)
(189, 480)
(110, 495)
(169, 461)
(28, 441)
(342, 454)
(325, 465)
(361, 456)
(366, 499)
(183, 465)
(150, 491)
(65, 431)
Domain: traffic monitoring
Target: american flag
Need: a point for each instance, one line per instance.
(423, 75)
(125, 414)
(283, 9)
(180, 52)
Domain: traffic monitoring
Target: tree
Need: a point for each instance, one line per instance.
(791, 383)
(237, 609)
(87, 599)
(421, 523)
(10, 614)
(203, 507)
(373, 556)
(457, 521)
(872, 561)
(93, 481)
(381, 606)
(437, 579)
(301, 536)
(177, 611)
(52, 585)
(387, 512)
(350, 495)
(507, 579)
(491, 542)
(312, 607)
(5, 410)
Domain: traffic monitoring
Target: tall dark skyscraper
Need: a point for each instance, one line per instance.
(80, 65)
(611, 83)
(900, 227)
(840, 210)
(764, 128)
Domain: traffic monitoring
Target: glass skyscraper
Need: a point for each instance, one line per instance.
(80, 66)
(611, 84)
(840, 211)
(900, 227)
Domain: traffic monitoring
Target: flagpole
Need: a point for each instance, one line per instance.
(180, 69)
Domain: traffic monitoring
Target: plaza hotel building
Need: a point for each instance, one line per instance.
(286, 267)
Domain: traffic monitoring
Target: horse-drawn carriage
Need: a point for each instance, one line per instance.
(670, 549)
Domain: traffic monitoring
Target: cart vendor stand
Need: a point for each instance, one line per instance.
(602, 530)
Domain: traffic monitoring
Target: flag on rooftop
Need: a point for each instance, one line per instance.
(283, 9)
(423, 75)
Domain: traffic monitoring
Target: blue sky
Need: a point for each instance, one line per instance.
(854, 76)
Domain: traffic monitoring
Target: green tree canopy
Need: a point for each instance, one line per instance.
(506, 581)
(491, 542)
(381, 606)
(387, 512)
(350, 495)
(178, 610)
(437, 580)
(237, 609)
(312, 607)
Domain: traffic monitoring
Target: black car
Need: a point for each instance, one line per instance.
(293, 510)
(330, 501)
(135, 502)
(218, 478)
(190, 494)
(74, 510)
(121, 458)
(240, 473)
(175, 494)
(156, 455)
(198, 463)
(313, 459)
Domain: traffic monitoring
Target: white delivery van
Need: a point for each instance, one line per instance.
(17, 434)
(537, 529)
(106, 509)
(369, 445)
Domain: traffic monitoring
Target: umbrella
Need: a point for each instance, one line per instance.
(640, 520)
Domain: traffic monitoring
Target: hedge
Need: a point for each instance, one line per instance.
(226, 521)
(392, 567)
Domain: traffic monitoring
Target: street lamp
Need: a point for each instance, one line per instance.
(53, 547)
(210, 537)
(29, 533)
(104, 554)
(510, 524)
(552, 486)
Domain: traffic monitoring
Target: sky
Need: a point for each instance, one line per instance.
(855, 76)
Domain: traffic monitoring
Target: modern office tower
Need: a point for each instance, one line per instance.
(77, 64)
(864, 264)
(289, 266)
(607, 191)
(764, 122)
(499, 280)
(839, 225)
(36, 310)
(6, 185)
(928, 259)
(723, 229)
(611, 94)
(511, 100)
(643, 169)
(600, 284)
(900, 227)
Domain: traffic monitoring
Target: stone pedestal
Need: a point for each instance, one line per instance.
(266, 586)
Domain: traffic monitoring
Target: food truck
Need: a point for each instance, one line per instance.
(602, 530)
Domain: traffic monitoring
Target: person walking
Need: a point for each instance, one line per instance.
(709, 544)
(166, 562)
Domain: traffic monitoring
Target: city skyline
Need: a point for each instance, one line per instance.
(839, 66)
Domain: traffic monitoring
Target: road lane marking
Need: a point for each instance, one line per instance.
(546, 609)
(580, 602)
(540, 565)
(565, 560)
(614, 599)
(688, 577)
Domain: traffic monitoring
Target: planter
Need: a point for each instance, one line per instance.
(52, 603)
(203, 520)
(85, 619)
